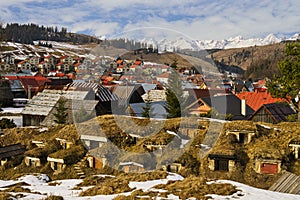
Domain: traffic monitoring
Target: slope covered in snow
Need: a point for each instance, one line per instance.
(235, 42)
(40, 188)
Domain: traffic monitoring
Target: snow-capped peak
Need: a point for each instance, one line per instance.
(271, 39)
(233, 42)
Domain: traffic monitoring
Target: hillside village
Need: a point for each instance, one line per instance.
(231, 128)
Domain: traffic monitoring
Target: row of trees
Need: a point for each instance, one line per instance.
(123, 43)
(27, 33)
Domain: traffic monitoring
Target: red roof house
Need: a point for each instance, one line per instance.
(256, 99)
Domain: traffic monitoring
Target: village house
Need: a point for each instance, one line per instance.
(41, 107)
(67, 59)
(32, 161)
(163, 78)
(242, 136)
(224, 105)
(295, 148)
(131, 167)
(102, 94)
(95, 161)
(65, 157)
(9, 152)
(273, 113)
(8, 59)
(174, 167)
(267, 166)
(93, 140)
(157, 109)
(128, 94)
(57, 164)
(45, 67)
(50, 59)
(24, 65)
(222, 161)
(5, 66)
(257, 99)
(64, 143)
(34, 60)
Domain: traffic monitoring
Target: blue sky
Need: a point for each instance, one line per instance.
(195, 19)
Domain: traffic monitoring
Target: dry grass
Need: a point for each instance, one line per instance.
(4, 195)
(196, 187)
(120, 183)
(53, 197)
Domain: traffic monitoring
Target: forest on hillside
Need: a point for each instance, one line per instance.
(27, 33)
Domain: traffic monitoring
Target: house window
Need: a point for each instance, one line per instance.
(221, 165)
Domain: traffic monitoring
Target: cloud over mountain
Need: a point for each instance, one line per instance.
(197, 19)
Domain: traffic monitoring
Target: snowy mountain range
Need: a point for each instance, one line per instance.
(235, 42)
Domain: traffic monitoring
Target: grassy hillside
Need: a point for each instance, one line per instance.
(271, 143)
(256, 61)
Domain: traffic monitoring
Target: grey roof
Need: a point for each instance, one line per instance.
(103, 93)
(278, 111)
(158, 109)
(16, 85)
(228, 104)
(147, 86)
(11, 150)
(129, 93)
(43, 102)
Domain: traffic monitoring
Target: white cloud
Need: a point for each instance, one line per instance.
(197, 19)
(99, 28)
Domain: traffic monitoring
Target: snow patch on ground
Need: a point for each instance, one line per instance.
(249, 193)
(39, 183)
(12, 110)
(183, 141)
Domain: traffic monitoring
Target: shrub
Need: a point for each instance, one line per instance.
(53, 197)
(7, 123)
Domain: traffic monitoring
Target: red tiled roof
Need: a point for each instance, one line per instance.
(133, 66)
(59, 74)
(119, 61)
(63, 57)
(23, 61)
(137, 62)
(256, 99)
(12, 77)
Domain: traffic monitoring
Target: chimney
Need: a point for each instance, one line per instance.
(243, 106)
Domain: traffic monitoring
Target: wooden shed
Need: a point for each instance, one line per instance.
(9, 152)
(267, 166)
(222, 161)
(32, 161)
(295, 148)
(242, 136)
(57, 164)
(174, 167)
(96, 162)
(130, 167)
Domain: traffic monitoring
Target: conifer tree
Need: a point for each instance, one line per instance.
(174, 96)
(287, 83)
(147, 109)
(61, 114)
